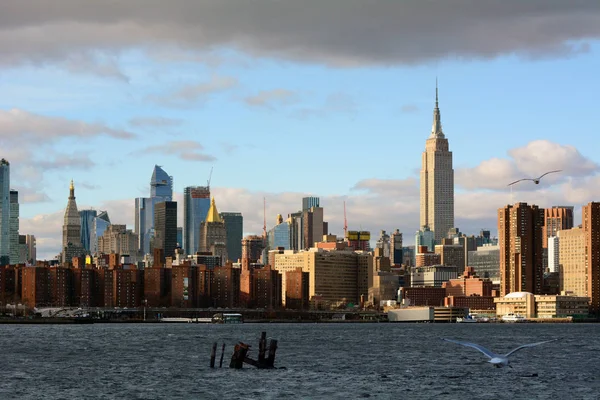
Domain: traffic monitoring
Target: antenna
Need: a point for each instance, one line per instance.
(264, 217)
(209, 178)
(345, 222)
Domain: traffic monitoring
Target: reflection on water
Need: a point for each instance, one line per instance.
(396, 361)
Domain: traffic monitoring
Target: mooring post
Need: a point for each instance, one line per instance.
(272, 349)
(262, 348)
(222, 353)
(213, 355)
(239, 354)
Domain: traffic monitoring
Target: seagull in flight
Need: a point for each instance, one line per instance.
(498, 360)
(535, 180)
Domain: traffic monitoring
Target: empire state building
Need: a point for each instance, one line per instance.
(437, 181)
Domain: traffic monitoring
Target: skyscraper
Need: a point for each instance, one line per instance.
(100, 223)
(520, 238)
(165, 229)
(4, 212)
(14, 227)
(590, 221)
(87, 226)
(234, 227)
(437, 180)
(196, 202)
(31, 249)
(214, 236)
(71, 229)
(161, 189)
(309, 202)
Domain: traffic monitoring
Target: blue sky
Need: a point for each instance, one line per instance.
(328, 104)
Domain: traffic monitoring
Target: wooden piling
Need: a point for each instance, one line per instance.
(262, 348)
(272, 349)
(213, 355)
(222, 353)
(239, 355)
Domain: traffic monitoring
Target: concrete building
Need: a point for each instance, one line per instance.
(71, 240)
(561, 306)
(4, 212)
(520, 232)
(267, 288)
(556, 218)
(451, 255)
(553, 254)
(312, 226)
(297, 294)
(196, 203)
(396, 256)
(522, 303)
(383, 243)
(336, 277)
(590, 219)
(117, 239)
(437, 180)
(234, 227)
(432, 276)
(572, 269)
(165, 227)
(31, 249)
(310, 202)
(426, 258)
(469, 284)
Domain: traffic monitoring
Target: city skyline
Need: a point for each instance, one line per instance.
(104, 109)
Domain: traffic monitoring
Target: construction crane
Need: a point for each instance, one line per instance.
(209, 178)
(345, 222)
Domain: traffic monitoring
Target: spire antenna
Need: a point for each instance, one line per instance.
(436, 92)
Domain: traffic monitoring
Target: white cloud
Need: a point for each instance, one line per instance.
(270, 98)
(189, 150)
(188, 95)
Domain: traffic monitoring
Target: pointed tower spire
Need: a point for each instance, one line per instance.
(72, 190)
(213, 214)
(436, 129)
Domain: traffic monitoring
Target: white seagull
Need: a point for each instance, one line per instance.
(535, 180)
(499, 360)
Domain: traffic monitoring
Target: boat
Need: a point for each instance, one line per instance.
(512, 317)
(467, 319)
(227, 318)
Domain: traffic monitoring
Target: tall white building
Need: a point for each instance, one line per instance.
(437, 180)
(553, 253)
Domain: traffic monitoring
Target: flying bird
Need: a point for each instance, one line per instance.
(498, 360)
(535, 180)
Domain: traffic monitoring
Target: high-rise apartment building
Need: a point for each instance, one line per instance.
(165, 228)
(4, 212)
(87, 226)
(396, 248)
(71, 241)
(437, 181)
(555, 219)
(520, 238)
(234, 227)
(383, 243)
(590, 221)
(14, 227)
(161, 189)
(572, 268)
(196, 202)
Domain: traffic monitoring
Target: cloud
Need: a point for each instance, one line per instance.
(155, 122)
(336, 32)
(18, 126)
(529, 161)
(409, 108)
(336, 103)
(99, 65)
(269, 98)
(185, 149)
(189, 94)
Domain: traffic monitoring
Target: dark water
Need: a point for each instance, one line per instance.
(349, 361)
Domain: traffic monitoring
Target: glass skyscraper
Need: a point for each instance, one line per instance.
(100, 223)
(280, 236)
(4, 212)
(309, 202)
(14, 228)
(196, 202)
(87, 226)
(161, 189)
(234, 226)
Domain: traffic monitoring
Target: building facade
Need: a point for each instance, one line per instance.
(4, 212)
(437, 181)
(165, 230)
(557, 218)
(71, 242)
(590, 221)
(213, 237)
(486, 262)
(520, 238)
(14, 227)
(196, 202)
(234, 227)
(87, 227)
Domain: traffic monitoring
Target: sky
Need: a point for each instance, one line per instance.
(286, 99)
